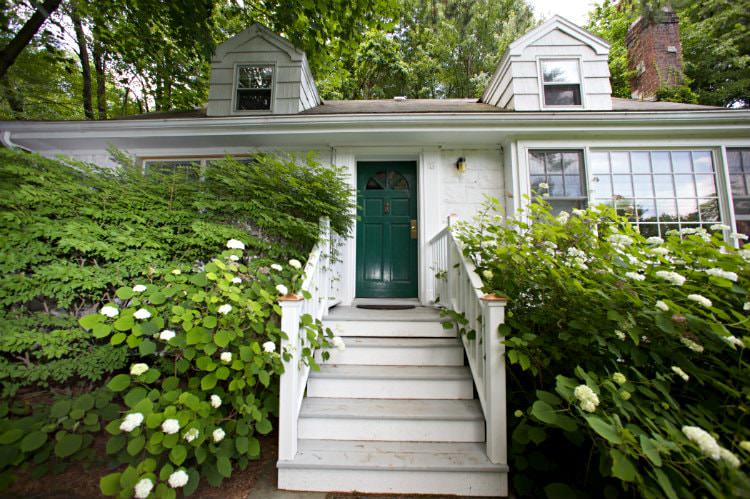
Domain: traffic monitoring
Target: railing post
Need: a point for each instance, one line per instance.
(493, 314)
(325, 261)
(291, 310)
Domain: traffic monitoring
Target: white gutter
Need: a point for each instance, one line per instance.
(6, 141)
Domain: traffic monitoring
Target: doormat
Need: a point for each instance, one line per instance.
(386, 307)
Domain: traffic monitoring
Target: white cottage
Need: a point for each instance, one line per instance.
(406, 407)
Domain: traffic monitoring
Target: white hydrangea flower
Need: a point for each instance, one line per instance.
(662, 306)
(682, 374)
(620, 335)
(719, 227)
(269, 346)
(745, 445)
(178, 479)
(577, 212)
(143, 488)
(619, 378)
(543, 185)
(589, 400)
(695, 347)
(563, 217)
(654, 240)
(738, 237)
(166, 335)
(236, 280)
(729, 458)
(234, 258)
(672, 277)
(732, 276)
(235, 244)
(707, 444)
(215, 401)
(282, 289)
(176, 272)
(218, 435)
(191, 434)
(635, 276)
(139, 288)
(109, 311)
(734, 341)
(295, 263)
(225, 309)
(277, 267)
(576, 253)
(138, 369)
(620, 240)
(339, 343)
(487, 274)
(745, 254)
(170, 426)
(131, 422)
(701, 300)
(226, 357)
(142, 314)
(660, 251)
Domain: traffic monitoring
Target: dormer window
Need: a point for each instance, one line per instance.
(561, 82)
(254, 88)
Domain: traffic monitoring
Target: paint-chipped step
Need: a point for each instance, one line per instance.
(393, 468)
(391, 420)
(391, 382)
(397, 352)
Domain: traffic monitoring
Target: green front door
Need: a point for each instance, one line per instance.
(387, 229)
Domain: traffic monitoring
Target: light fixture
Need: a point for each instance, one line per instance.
(461, 164)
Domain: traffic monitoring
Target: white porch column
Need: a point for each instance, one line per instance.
(494, 378)
(291, 308)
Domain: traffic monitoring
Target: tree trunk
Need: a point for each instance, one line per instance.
(83, 55)
(10, 52)
(15, 101)
(101, 78)
(124, 107)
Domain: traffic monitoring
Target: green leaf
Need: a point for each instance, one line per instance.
(147, 347)
(61, 408)
(124, 293)
(33, 441)
(124, 323)
(544, 412)
(666, 485)
(253, 449)
(224, 466)
(84, 403)
(604, 429)
(222, 338)
(115, 444)
(11, 436)
(622, 468)
(208, 381)
(157, 298)
(101, 330)
(199, 280)
(264, 426)
(210, 321)
(136, 445)
(134, 396)
(87, 322)
(241, 443)
(650, 450)
(110, 484)
(264, 378)
(119, 383)
(560, 490)
(178, 454)
(68, 445)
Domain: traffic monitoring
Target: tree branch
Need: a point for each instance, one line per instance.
(13, 49)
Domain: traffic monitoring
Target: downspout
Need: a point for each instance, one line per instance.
(6, 141)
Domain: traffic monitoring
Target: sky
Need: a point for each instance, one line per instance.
(573, 10)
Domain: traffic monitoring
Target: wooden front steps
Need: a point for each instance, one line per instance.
(393, 413)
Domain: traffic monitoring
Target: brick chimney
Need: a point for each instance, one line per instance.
(654, 54)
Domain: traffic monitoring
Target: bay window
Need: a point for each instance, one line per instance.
(738, 162)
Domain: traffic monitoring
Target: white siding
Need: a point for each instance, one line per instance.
(462, 194)
(516, 84)
(293, 86)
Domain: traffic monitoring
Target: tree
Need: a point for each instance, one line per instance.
(610, 20)
(14, 47)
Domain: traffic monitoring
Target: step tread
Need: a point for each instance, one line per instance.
(364, 371)
(401, 456)
(419, 409)
(418, 314)
(386, 342)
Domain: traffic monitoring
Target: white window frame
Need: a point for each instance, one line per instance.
(235, 84)
(540, 81)
(203, 161)
(585, 199)
(730, 195)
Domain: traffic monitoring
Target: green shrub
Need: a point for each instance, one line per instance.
(626, 354)
(74, 233)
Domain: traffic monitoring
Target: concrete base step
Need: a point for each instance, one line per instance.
(397, 352)
(393, 467)
(391, 382)
(391, 420)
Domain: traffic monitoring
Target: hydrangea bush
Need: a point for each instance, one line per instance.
(203, 381)
(627, 355)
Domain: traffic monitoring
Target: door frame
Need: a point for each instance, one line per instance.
(429, 219)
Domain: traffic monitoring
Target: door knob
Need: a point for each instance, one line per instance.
(413, 228)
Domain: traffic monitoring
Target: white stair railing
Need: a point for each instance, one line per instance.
(457, 287)
(319, 277)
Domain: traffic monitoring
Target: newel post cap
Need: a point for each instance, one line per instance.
(495, 299)
(290, 298)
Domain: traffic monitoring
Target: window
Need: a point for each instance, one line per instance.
(657, 190)
(254, 88)
(563, 174)
(190, 168)
(561, 83)
(738, 161)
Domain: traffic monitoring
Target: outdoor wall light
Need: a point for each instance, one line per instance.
(461, 164)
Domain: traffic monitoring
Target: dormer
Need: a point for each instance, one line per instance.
(557, 66)
(258, 72)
